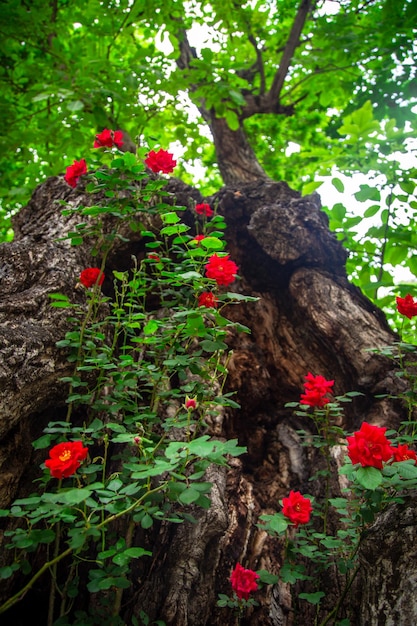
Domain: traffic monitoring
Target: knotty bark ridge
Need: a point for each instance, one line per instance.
(308, 318)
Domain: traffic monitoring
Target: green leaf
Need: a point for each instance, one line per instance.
(232, 119)
(406, 469)
(170, 218)
(338, 184)
(369, 477)
(75, 105)
(151, 327)
(122, 558)
(372, 210)
(367, 193)
(188, 496)
(212, 243)
(267, 578)
(74, 496)
(42, 442)
(310, 187)
(313, 598)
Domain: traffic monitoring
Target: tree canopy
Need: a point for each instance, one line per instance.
(311, 84)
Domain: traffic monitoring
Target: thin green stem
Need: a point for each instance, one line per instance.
(20, 594)
(335, 610)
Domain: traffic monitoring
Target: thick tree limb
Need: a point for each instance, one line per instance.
(292, 43)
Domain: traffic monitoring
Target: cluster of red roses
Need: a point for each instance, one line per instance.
(370, 447)
(298, 510)
(219, 268)
(161, 161)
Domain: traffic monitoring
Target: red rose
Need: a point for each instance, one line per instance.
(152, 256)
(369, 446)
(190, 404)
(207, 299)
(91, 276)
(403, 453)
(221, 269)
(161, 161)
(243, 581)
(204, 209)
(316, 388)
(407, 306)
(198, 238)
(74, 171)
(109, 138)
(65, 458)
(297, 508)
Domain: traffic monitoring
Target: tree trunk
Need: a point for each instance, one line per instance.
(235, 157)
(308, 318)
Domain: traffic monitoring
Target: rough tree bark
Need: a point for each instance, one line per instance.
(308, 318)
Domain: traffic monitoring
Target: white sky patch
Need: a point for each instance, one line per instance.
(292, 148)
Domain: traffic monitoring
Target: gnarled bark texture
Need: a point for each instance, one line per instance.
(308, 318)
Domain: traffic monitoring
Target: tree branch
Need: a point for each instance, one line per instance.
(259, 63)
(292, 43)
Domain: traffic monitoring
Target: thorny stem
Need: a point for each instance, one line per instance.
(86, 319)
(49, 564)
(119, 590)
(335, 610)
